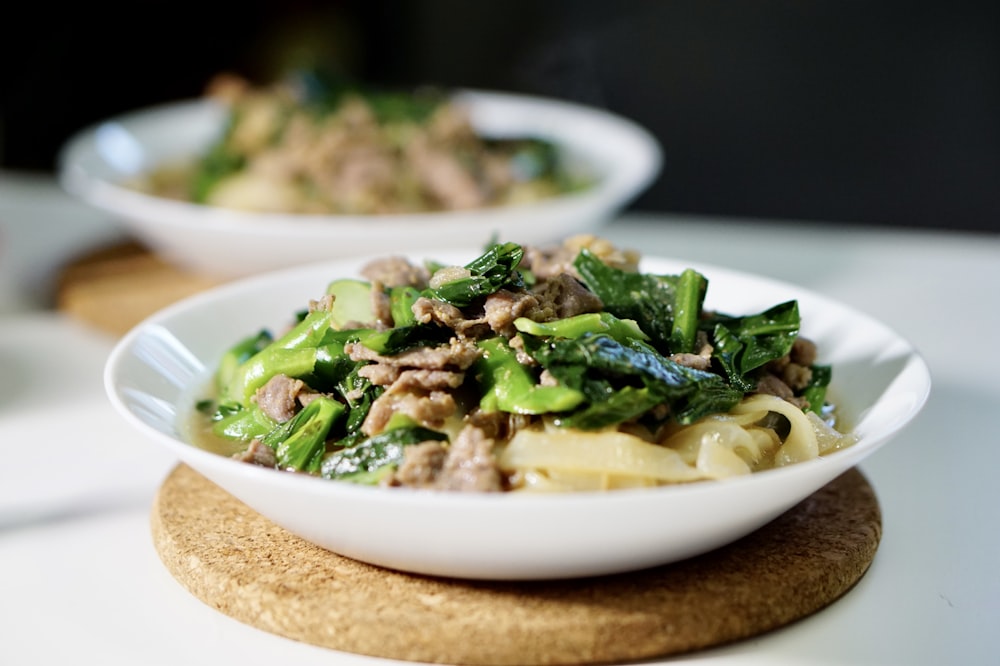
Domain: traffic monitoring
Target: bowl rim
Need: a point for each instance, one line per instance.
(618, 185)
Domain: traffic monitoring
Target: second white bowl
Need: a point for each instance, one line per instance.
(228, 243)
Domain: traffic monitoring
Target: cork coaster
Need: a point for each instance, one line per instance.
(238, 562)
(115, 288)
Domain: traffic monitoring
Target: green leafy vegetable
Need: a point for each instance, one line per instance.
(239, 354)
(575, 327)
(401, 300)
(384, 452)
(508, 386)
(300, 442)
(600, 367)
(488, 273)
(744, 344)
(352, 302)
(396, 340)
(815, 391)
(293, 354)
(666, 307)
(241, 423)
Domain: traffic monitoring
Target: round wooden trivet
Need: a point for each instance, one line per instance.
(245, 566)
(115, 288)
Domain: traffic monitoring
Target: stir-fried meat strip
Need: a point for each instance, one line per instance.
(562, 296)
(791, 372)
(395, 271)
(498, 425)
(430, 411)
(430, 310)
(503, 307)
(381, 306)
(457, 354)
(421, 465)
(547, 262)
(258, 453)
(470, 465)
(278, 398)
(467, 465)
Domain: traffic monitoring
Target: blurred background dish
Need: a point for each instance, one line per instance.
(312, 142)
(610, 159)
(865, 113)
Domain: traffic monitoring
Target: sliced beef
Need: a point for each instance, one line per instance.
(466, 465)
(772, 385)
(562, 296)
(470, 465)
(258, 453)
(421, 465)
(793, 370)
(431, 410)
(503, 307)
(803, 352)
(278, 398)
(395, 271)
(419, 382)
(695, 361)
(381, 306)
(324, 303)
(545, 262)
(417, 379)
(796, 376)
(430, 310)
(457, 354)
(380, 374)
(498, 425)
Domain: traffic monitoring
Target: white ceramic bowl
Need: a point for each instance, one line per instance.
(880, 383)
(229, 243)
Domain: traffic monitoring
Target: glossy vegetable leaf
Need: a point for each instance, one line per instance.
(621, 405)
(300, 442)
(600, 367)
(402, 338)
(493, 270)
(667, 307)
(381, 451)
(509, 386)
(332, 362)
(293, 354)
(239, 354)
(743, 344)
(240, 423)
(358, 393)
(352, 302)
(576, 326)
(815, 391)
(401, 300)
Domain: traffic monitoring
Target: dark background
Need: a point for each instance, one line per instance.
(875, 113)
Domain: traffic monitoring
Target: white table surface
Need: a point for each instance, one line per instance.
(81, 581)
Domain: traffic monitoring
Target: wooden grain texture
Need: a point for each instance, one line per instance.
(236, 561)
(115, 288)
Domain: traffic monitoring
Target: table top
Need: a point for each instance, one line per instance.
(80, 575)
